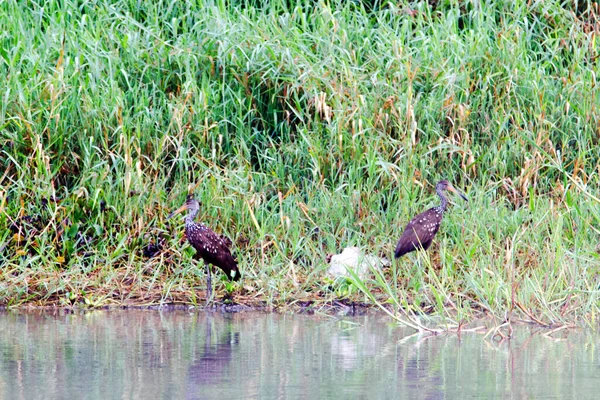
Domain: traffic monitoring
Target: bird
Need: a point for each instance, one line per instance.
(210, 247)
(421, 230)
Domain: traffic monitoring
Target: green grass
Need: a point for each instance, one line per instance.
(303, 115)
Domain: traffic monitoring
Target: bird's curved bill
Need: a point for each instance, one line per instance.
(174, 213)
(453, 190)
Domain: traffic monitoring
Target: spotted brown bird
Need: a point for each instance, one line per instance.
(420, 231)
(210, 247)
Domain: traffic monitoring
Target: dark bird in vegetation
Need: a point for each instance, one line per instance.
(153, 247)
(26, 224)
(210, 247)
(421, 230)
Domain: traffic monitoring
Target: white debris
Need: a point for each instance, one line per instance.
(354, 258)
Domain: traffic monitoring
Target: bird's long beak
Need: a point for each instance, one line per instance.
(453, 189)
(180, 209)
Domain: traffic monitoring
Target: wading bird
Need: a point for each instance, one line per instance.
(210, 247)
(420, 231)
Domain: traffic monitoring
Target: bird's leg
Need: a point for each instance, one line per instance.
(208, 285)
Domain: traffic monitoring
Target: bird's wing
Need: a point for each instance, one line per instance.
(411, 234)
(422, 228)
(217, 252)
(429, 223)
(419, 232)
(215, 244)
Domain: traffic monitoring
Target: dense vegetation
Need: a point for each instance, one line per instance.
(303, 127)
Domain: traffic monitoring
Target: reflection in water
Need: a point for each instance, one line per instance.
(195, 355)
(211, 367)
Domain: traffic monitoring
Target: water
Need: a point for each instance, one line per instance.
(194, 355)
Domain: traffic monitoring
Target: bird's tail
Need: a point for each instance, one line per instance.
(400, 251)
(234, 274)
(231, 270)
(397, 253)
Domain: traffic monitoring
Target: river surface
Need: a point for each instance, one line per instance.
(148, 354)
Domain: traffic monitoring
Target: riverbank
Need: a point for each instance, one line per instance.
(303, 129)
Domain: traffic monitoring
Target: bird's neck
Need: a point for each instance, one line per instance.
(189, 219)
(443, 200)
